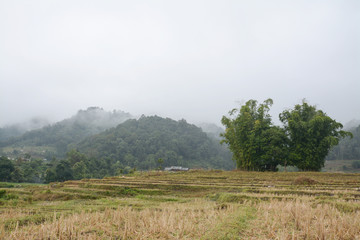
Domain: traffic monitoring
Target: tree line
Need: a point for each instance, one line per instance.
(303, 141)
(144, 144)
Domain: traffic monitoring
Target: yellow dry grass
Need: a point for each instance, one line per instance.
(302, 220)
(168, 221)
(282, 220)
(13, 213)
(192, 205)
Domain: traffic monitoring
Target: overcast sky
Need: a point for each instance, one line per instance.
(181, 59)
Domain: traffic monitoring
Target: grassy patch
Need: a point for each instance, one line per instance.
(233, 226)
(6, 185)
(11, 224)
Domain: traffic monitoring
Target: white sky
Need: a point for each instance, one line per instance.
(181, 59)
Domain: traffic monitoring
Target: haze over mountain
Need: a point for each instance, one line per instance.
(180, 59)
(141, 143)
(193, 60)
(352, 124)
(136, 143)
(58, 138)
(88, 145)
(18, 129)
(348, 148)
(211, 129)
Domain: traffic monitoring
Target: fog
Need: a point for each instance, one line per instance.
(181, 59)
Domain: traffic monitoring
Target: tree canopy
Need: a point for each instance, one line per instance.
(304, 140)
(255, 143)
(144, 144)
(141, 143)
(6, 168)
(312, 134)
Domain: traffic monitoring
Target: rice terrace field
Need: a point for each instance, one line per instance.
(196, 204)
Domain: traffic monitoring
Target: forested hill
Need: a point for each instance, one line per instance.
(60, 137)
(155, 142)
(19, 129)
(348, 148)
(212, 130)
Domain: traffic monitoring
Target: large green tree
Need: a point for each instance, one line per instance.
(255, 143)
(311, 134)
(63, 171)
(6, 168)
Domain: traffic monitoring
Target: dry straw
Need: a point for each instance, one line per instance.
(175, 221)
(302, 220)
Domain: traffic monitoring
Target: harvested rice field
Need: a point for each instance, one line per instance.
(196, 204)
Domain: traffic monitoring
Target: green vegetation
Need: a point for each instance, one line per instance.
(6, 168)
(22, 170)
(78, 147)
(155, 142)
(57, 139)
(145, 144)
(304, 141)
(255, 143)
(312, 134)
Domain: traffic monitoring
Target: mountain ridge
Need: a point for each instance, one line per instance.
(59, 137)
(152, 142)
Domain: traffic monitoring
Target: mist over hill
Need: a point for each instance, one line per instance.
(348, 148)
(15, 130)
(211, 129)
(95, 143)
(155, 142)
(56, 139)
(351, 125)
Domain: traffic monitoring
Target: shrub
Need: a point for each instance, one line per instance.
(2, 193)
(9, 196)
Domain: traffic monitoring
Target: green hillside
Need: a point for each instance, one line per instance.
(145, 144)
(15, 130)
(155, 142)
(348, 148)
(58, 138)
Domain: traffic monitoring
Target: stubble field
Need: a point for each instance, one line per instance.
(186, 205)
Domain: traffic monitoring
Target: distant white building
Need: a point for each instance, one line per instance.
(176, 168)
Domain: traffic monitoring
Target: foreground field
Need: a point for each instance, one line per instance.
(186, 205)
